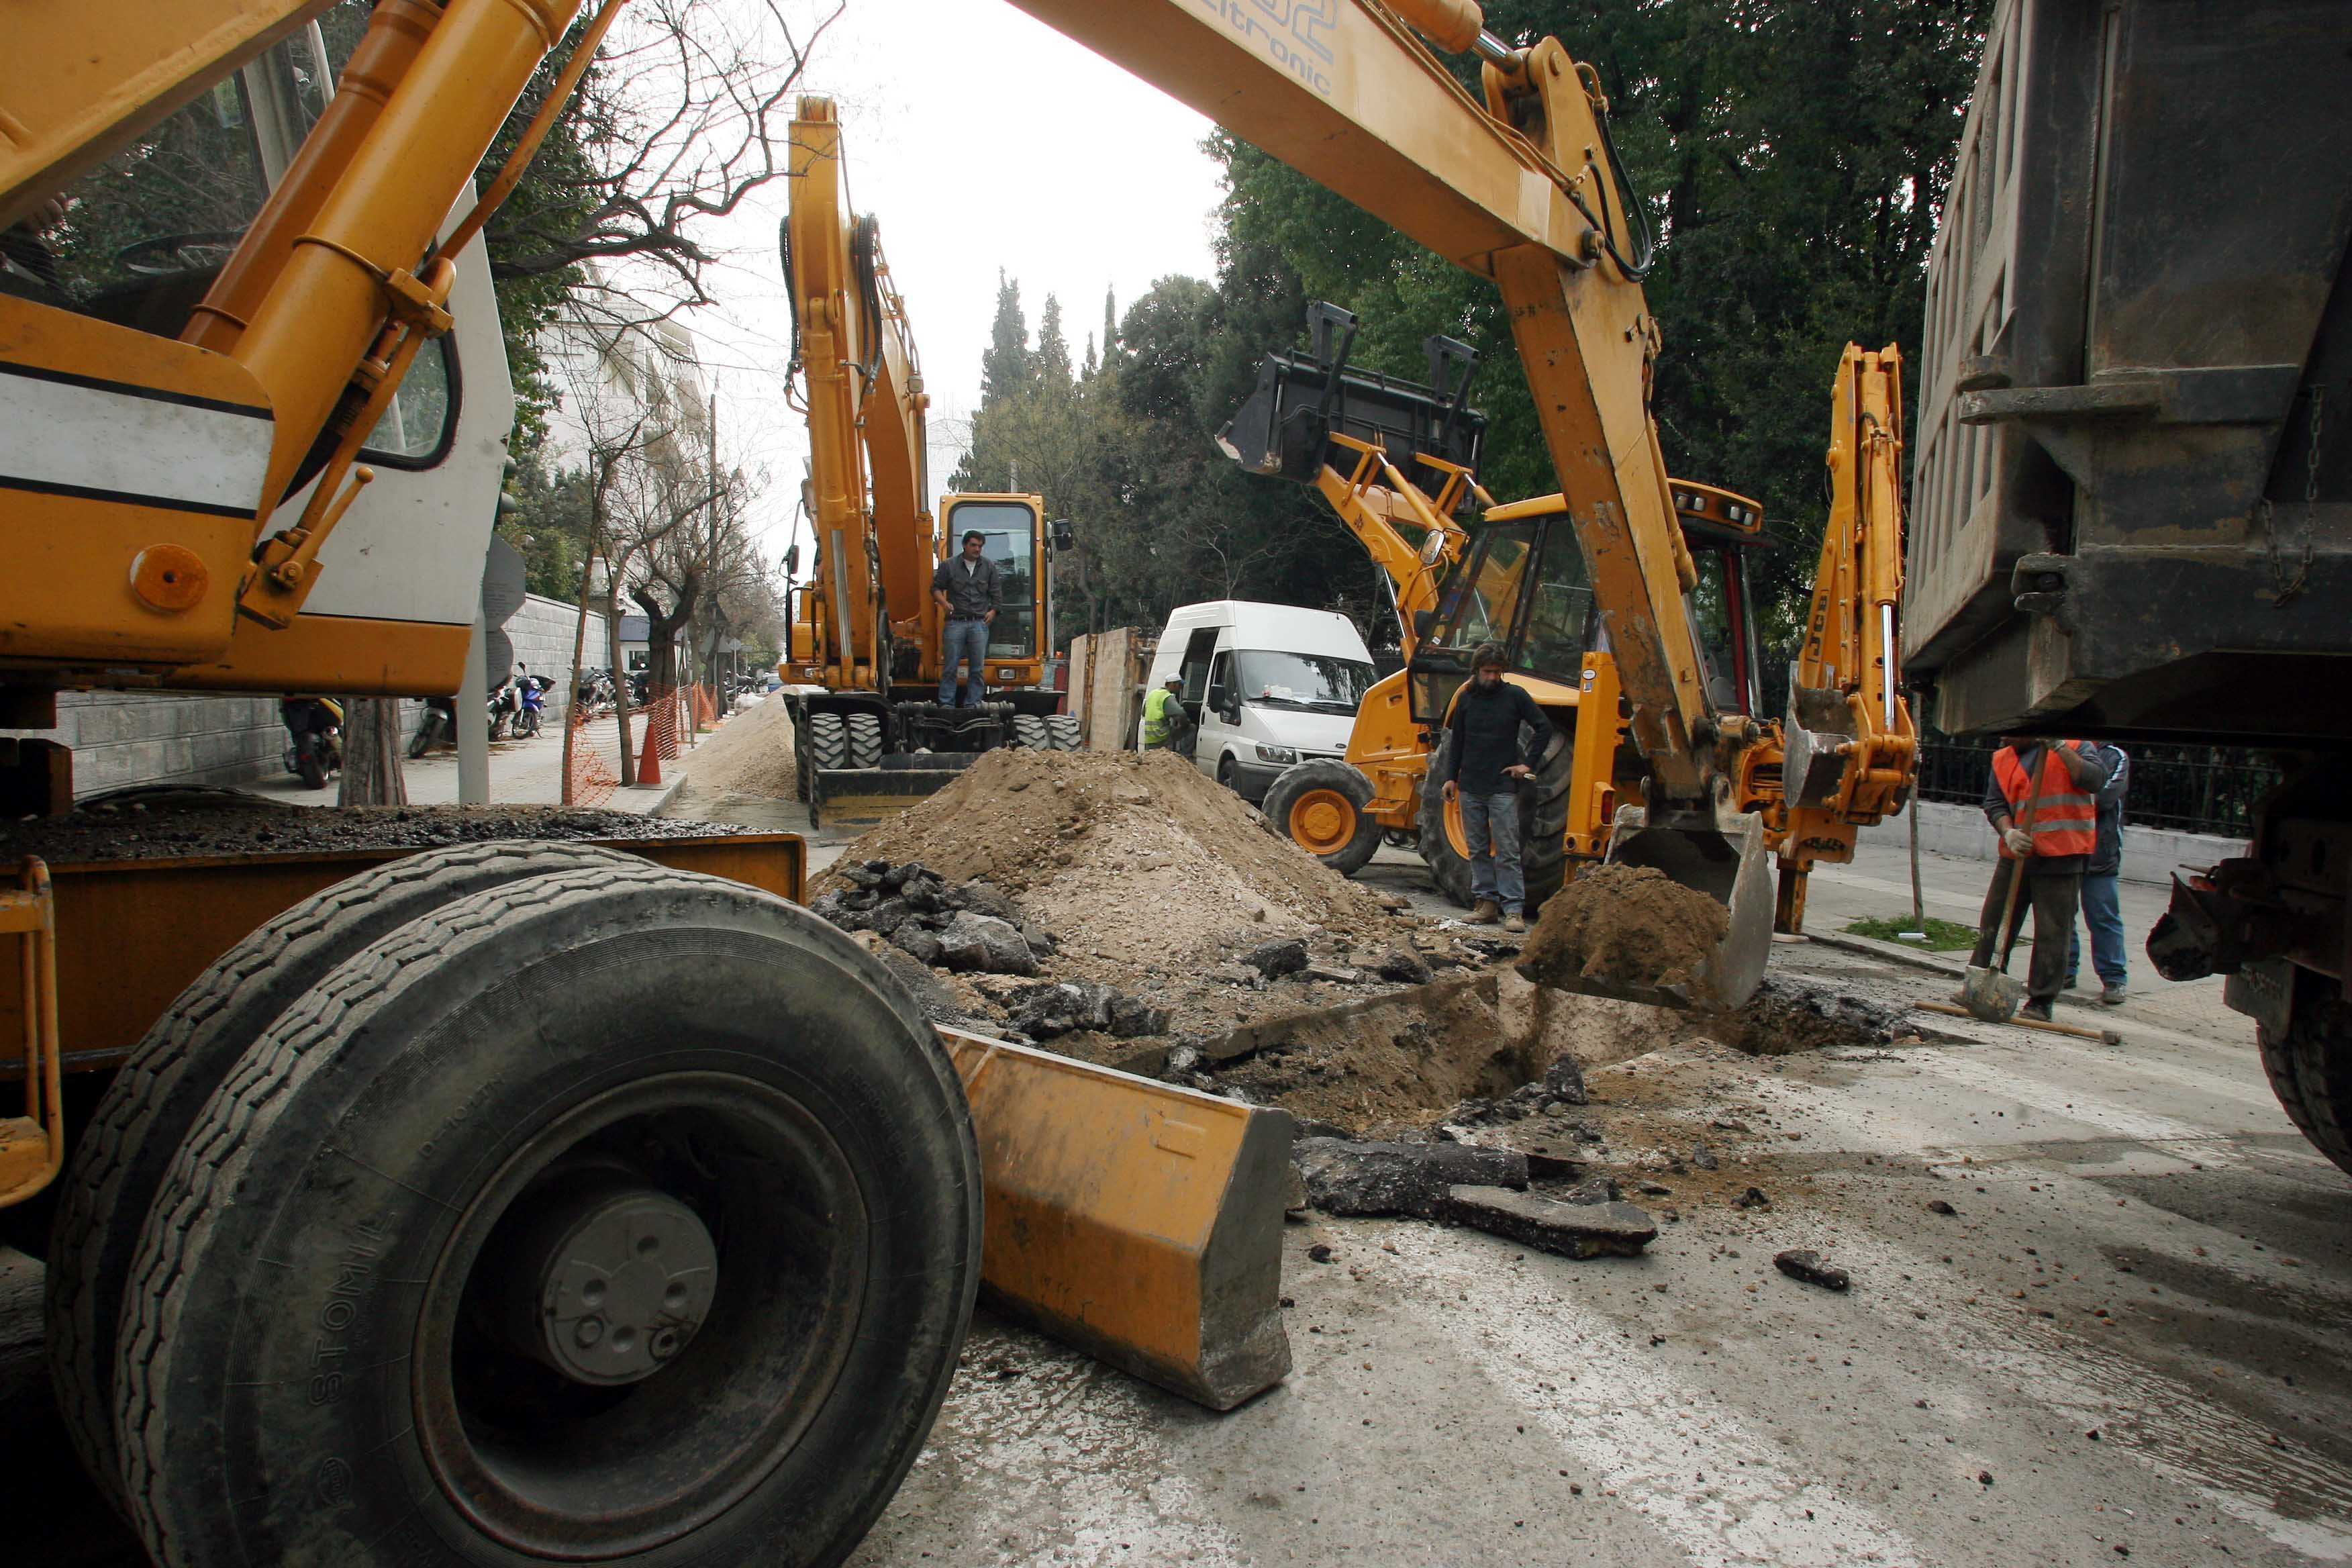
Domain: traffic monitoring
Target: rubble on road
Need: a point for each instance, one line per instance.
(1569, 1230)
(1370, 1179)
(1800, 1263)
(1786, 1016)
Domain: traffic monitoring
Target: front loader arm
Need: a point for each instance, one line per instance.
(1347, 93)
(1370, 497)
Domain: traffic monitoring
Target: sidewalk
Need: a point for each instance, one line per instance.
(522, 773)
(1878, 883)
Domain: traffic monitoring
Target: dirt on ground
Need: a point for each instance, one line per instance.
(169, 823)
(1633, 925)
(750, 754)
(1134, 861)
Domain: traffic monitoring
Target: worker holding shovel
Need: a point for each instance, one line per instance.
(2041, 801)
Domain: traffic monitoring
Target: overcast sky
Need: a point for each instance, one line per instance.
(982, 140)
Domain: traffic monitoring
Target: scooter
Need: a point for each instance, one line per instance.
(440, 720)
(315, 725)
(531, 693)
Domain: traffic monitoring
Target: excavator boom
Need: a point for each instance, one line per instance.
(1521, 185)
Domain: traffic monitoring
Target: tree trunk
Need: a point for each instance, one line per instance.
(620, 686)
(372, 753)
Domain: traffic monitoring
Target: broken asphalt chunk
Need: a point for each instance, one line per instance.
(1568, 1230)
(1369, 1179)
(1800, 1263)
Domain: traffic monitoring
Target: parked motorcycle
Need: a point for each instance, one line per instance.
(439, 723)
(531, 694)
(315, 726)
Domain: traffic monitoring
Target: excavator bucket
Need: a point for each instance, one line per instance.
(1139, 1222)
(860, 797)
(1816, 735)
(1730, 864)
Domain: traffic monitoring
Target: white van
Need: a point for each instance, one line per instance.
(1269, 685)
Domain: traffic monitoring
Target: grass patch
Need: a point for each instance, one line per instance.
(1943, 936)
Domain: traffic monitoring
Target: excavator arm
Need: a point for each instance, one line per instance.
(1520, 184)
(1846, 755)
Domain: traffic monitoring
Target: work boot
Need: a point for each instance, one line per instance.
(1514, 923)
(2111, 995)
(1488, 913)
(2038, 1010)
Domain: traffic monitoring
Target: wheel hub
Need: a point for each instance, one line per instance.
(622, 1278)
(1322, 821)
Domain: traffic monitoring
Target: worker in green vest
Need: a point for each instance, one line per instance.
(1165, 721)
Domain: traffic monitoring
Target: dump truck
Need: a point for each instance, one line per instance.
(864, 666)
(2132, 501)
(403, 1197)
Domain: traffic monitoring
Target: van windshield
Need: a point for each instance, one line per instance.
(1309, 680)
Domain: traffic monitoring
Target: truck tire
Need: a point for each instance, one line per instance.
(1543, 822)
(609, 1215)
(141, 1120)
(801, 746)
(864, 740)
(828, 743)
(1032, 733)
(1062, 731)
(1320, 807)
(2310, 1070)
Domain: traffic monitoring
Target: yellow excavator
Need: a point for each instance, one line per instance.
(407, 1200)
(1847, 721)
(865, 662)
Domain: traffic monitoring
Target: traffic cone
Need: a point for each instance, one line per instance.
(649, 764)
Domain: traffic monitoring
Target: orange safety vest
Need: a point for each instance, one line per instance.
(2065, 817)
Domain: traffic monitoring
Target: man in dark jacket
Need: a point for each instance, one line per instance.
(965, 587)
(1481, 770)
(2103, 908)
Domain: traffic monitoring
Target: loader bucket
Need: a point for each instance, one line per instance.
(1729, 863)
(860, 797)
(1139, 1222)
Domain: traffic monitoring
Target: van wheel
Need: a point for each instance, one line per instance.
(144, 1115)
(1320, 807)
(1226, 773)
(609, 1215)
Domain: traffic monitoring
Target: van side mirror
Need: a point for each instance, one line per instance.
(1217, 695)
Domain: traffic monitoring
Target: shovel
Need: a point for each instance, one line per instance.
(1990, 993)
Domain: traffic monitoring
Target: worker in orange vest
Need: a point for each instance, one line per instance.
(2042, 801)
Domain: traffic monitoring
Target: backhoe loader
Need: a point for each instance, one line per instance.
(539, 1199)
(869, 736)
(1847, 723)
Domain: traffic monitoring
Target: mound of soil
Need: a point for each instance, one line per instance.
(750, 754)
(1785, 1017)
(1135, 861)
(1630, 925)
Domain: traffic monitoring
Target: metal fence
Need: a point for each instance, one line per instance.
(2188, 789)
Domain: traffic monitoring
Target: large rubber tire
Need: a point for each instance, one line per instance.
(141, 1120)
(1032, 733)
(801, 746)
(828, 743)
(1320, 807)
(1441, 829)
(313, 771)
(1062, 730)
(864, 740)
(2310, 1070)
(308, 1372)
(427, 732)
(1543, 821)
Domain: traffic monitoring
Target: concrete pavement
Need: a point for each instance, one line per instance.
(522, 773)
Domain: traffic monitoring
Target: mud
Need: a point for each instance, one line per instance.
(176, 824)
(1628, 924)
(1785, 1017)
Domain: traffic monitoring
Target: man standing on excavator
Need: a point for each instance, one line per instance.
(1482, 768)
(965, 588)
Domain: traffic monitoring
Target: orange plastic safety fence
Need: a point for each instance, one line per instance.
(593, 779)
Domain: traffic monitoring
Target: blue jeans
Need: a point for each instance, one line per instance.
(960, 641)
(2102, 911)
(1491, 824)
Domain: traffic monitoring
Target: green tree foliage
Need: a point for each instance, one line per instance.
(547, 524)
(1004, 364)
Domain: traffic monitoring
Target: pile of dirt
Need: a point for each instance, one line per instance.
(1630, 925)
(750, 754)
(149, 825)
(1135, 861)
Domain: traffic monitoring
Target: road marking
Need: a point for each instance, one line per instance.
(1647, 1435)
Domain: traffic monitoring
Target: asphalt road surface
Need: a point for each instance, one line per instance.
(2126, 1342)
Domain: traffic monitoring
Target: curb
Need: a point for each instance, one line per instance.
(625, 797)
(1872, 947)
